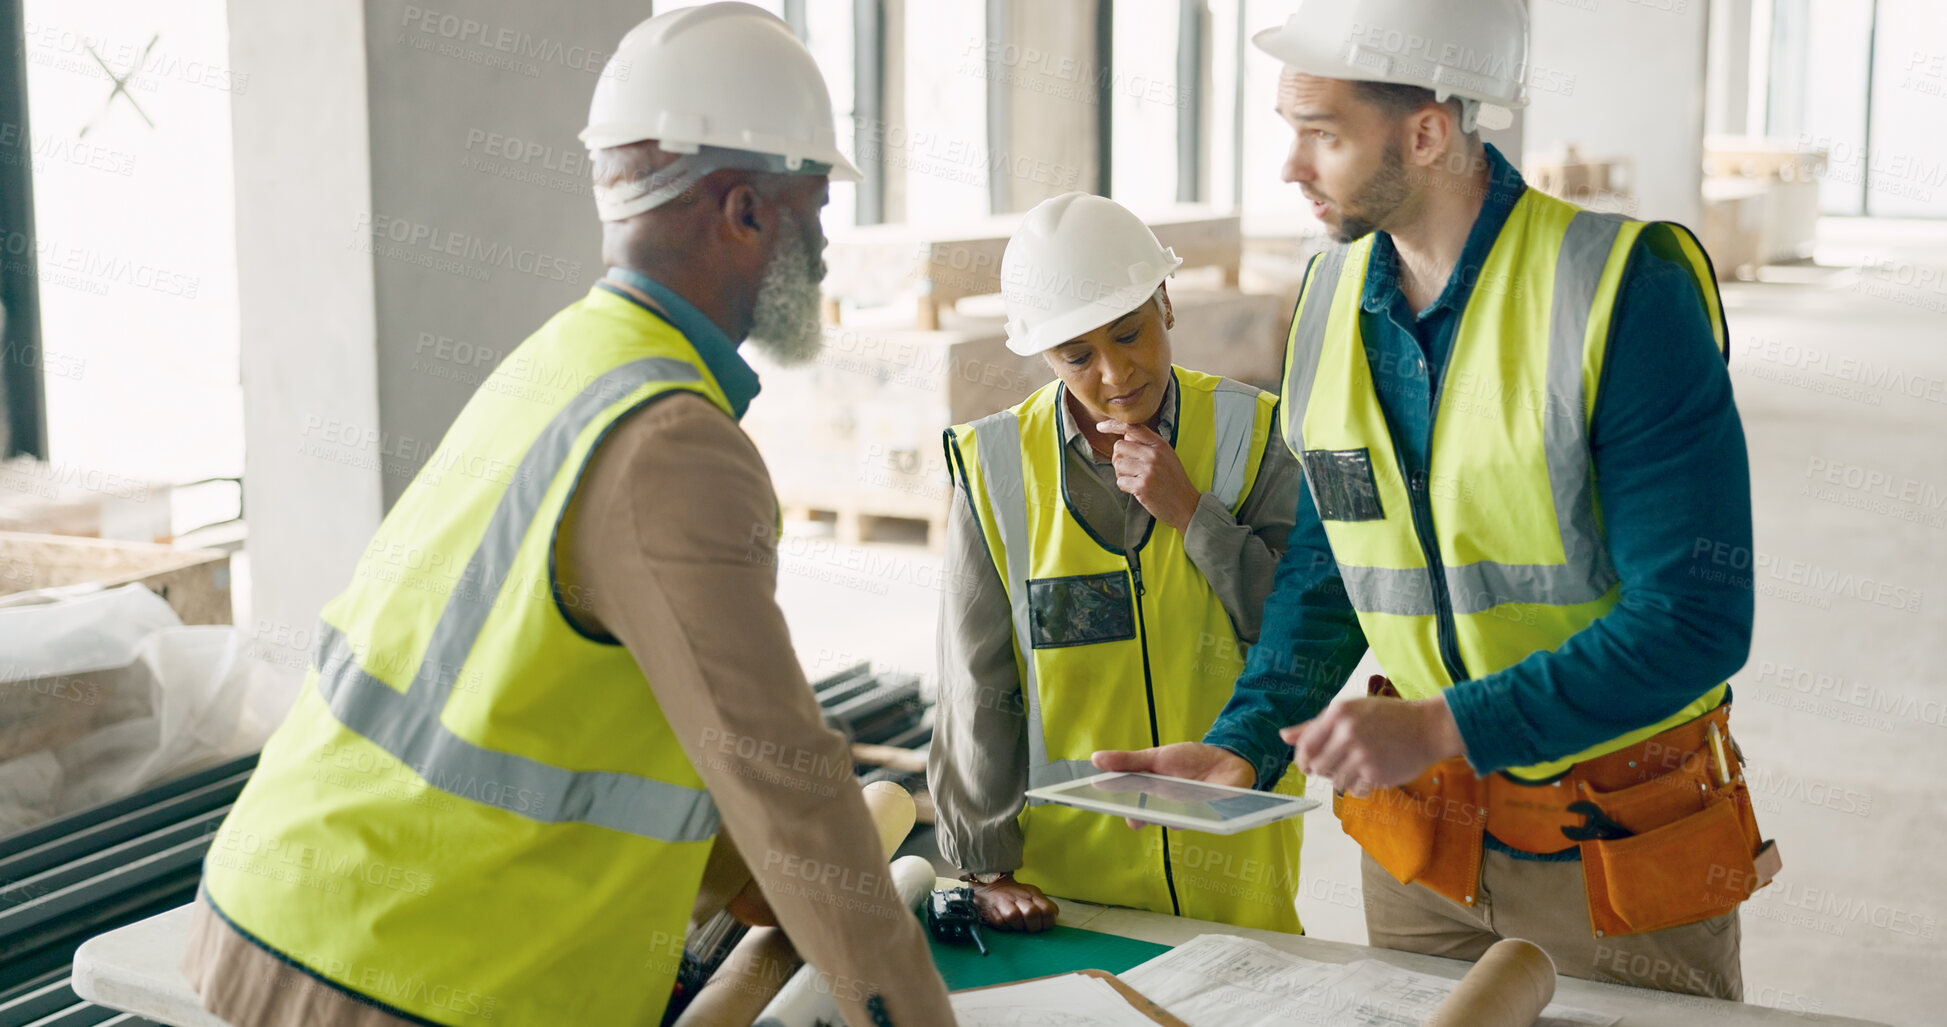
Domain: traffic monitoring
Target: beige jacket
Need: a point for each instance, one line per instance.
(672, 532)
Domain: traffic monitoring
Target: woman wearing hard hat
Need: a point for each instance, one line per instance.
(1114, 536)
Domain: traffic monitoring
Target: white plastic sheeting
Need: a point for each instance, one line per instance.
(105, 694)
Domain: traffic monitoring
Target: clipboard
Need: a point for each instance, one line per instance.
(1136, 999)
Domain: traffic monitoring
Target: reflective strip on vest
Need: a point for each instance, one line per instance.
(997, 441)
(1586, 573)
(1308, 338)
(407, 725)
(1236, 424)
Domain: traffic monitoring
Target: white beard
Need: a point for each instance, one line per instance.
(785, 324)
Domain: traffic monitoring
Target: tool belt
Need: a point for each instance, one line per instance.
(1665, 838)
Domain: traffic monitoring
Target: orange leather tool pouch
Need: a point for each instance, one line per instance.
(1694, 851)
(1693, 868)
(1427, 831)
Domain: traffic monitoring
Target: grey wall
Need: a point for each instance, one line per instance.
(481, 222)
(411, 204)
(1051, 133)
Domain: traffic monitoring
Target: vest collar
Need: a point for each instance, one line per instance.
(735, 377)
(1504, 187)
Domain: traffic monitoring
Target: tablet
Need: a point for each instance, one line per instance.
(1175, 801)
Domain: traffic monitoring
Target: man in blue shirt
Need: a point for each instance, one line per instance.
(1523, 683)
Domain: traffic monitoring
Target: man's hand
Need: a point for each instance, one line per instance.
(1194, 761)
(1363, 744)
(750, 907)
(1012, 906)
(1147, 467)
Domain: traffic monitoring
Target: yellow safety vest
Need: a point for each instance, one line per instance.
(1123, 650)
(475, 813)
(1514, 559)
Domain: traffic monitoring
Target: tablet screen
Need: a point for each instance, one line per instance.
(1140, 794)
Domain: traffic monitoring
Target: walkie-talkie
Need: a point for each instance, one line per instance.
(952, 916)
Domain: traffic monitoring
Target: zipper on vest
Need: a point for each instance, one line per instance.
(1421, 505)
(1444, 627)
(1149, 695)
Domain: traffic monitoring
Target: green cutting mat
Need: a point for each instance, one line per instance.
(1013, 956)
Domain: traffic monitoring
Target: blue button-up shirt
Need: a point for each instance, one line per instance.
(735, 377)
(1674, 486)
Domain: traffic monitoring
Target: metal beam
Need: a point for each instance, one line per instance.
(1104, 96)
(1000, 120)
(1189, 87)
(231, 774)
(100, 868)
(114, 830)
(1866, 132)
(23, 402)
(869, 107)
(1240, 54)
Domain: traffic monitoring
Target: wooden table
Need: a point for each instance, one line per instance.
(134, 969)
(1638, 1007)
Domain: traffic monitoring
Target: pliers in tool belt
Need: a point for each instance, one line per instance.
(1596, 825)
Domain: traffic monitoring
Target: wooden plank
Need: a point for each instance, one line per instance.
(195, 582)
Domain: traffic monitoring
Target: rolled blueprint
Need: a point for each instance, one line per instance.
(1508, 987)
(806, 1000)
(764, 961)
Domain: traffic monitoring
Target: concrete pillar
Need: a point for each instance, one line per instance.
(411, 203)
(1594, 87)
(1727, 95)
(1049, 102)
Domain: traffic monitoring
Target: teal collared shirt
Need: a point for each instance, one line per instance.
(1670, 465)
(733, 375)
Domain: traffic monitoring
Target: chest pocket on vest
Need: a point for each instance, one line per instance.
(1081, 610)
(1342, 484)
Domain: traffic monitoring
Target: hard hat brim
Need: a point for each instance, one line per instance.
(1082, 320)
(844, 170)
(1317, 61)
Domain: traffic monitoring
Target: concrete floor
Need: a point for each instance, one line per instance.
(1841, 376)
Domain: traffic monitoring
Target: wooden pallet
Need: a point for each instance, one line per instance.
(853, 527)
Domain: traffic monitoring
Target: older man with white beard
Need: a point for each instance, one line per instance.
(556, 717)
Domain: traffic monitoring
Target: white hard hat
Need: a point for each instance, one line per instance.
(727, 84)
(1076, 263)
(1473, 50)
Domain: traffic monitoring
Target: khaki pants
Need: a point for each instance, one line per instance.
(1545, 903)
